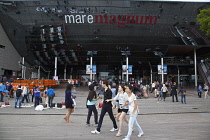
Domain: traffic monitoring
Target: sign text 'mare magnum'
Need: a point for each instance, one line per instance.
(112, 19)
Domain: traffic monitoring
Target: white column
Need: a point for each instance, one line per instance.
(24, 77)
(162, 70)
(126, 68)
(64, 77)
(56, 59)
(39, 72)
(150, 73)
(23, 68)
(195, 65)
(178, 76)
(91, 67)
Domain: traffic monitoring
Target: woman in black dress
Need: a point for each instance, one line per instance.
(69, 103)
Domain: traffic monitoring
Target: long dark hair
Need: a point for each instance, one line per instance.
(92, 93)
(68, 87)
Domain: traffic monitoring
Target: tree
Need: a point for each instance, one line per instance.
(204, 19)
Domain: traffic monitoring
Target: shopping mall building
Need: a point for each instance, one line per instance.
(98, 39)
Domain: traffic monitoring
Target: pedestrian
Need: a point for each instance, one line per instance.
(91, 105)
(113, 89)
(133, 112)
(18, 98)
(183, 93)
(1, 92)
(206, 89)
(69, 103)
(174, 90)
(200, 91)
(160, 96)
(51, 95)
(37, 96)
(107, 107)
(25, 94)
(122, 96)
(164, 90)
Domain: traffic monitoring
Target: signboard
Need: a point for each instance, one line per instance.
(129, 69)
(88, 69)
(164, 69)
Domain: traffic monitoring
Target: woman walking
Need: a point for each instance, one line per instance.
(69, 103)
(206, 89)
(183, 93)
(133, 111)
(91, 105)
(164, 89)
(122, 96)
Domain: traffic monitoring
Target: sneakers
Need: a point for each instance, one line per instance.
(95, 132)
(113, 129)
(140, 134)
(87, 125)
(126, 138)
(95, 125)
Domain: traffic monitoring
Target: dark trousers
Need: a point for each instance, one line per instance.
(152, 90)
(164, 95)
(37, 99)
(32, 97)
(2, 96)
(25, 97)
(174, 94)
(92, 108)
(107, 108)
(50, 100)
(199, 94)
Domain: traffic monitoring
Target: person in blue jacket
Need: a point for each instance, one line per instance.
(51, 95)
(69, 103)
(200, 90)
(36, 95)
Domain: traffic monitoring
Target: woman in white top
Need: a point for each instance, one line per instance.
(122, 96)
(206, 88)
(164, 90)
(133, 111)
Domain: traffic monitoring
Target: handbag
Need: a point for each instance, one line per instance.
(184, 93)
(204, 89)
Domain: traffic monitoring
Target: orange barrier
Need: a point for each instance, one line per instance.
(32, 83)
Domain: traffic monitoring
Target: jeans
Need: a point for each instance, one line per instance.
(50, 100)
(18, 99)
(28, 96)
(133, 121)
(107, 108)
(37, 99)
(2, 96)
(92, 108)
(160, 96)
(183, 97)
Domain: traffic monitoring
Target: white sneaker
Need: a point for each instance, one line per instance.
(114, 129)
(95, 132)
(140, 134)
(126, 138)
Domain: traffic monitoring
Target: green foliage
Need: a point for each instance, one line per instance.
(204, 19)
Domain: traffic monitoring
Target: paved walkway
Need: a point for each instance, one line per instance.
(160, 120)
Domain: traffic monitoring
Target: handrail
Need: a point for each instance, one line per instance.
(204, 76)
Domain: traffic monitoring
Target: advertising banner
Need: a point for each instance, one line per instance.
(129, 69)
(164, 69)
(88, 69)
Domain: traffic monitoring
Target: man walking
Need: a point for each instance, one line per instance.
(51, 95)
(18, 97)
(107, 107)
